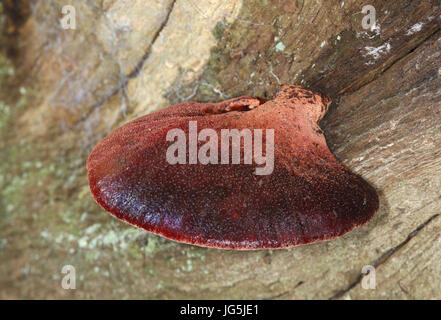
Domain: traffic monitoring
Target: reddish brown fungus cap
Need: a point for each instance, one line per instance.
(309, 196)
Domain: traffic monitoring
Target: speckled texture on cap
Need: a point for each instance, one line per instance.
(308, 197)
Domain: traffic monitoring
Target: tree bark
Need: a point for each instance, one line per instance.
(69, 88)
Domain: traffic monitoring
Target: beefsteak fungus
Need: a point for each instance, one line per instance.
(308, 196)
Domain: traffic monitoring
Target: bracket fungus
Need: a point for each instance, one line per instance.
(307, 196)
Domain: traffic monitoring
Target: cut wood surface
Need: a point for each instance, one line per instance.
(61, 91)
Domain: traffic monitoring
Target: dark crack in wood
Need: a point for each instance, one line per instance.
(385, 256)
(360, 83)
(285, 292)
(135, 72)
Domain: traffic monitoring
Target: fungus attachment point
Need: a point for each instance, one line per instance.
(308, 196)
(244, 104)
(236, 104)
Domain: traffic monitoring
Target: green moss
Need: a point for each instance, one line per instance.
(219, 29)
(5, 112)
(6, 68)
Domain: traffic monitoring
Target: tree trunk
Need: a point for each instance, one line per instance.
(62, 90)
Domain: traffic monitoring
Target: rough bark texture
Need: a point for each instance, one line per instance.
(63, 90)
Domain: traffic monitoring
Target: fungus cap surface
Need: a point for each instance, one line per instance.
(308, 197)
